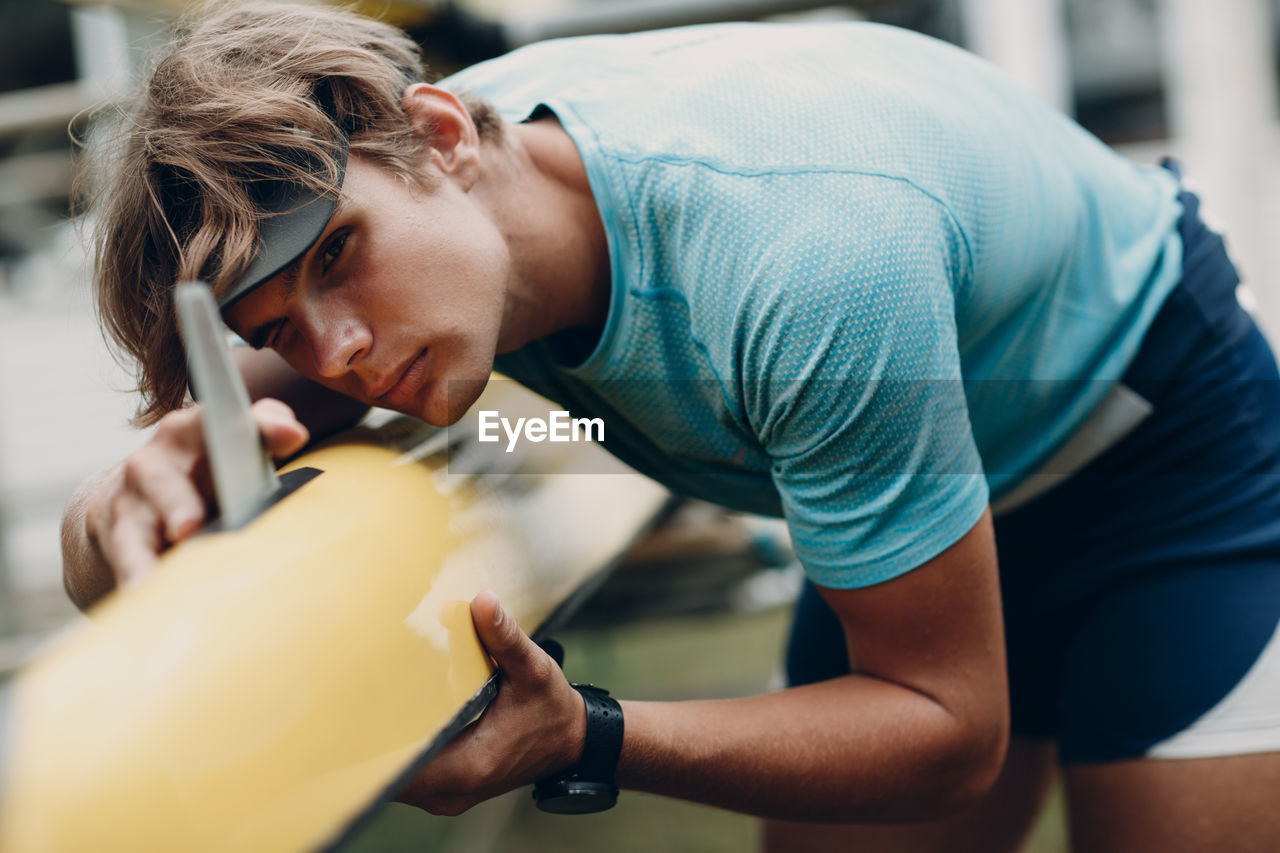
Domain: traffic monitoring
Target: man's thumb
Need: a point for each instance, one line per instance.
(512, 650)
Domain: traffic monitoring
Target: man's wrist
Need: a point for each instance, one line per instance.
(588, 785)
(602, 742)
(576, 732)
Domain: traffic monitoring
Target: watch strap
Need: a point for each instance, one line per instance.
(588, 786)
(603, 743)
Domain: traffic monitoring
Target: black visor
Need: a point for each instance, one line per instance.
(296, 216)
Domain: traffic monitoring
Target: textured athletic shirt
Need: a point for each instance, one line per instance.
(859, 278)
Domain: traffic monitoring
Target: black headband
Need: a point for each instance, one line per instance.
(295, 213)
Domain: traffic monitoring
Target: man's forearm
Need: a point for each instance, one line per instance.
(321, 409)
(852, 749)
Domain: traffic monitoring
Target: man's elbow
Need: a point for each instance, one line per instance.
(971, 764)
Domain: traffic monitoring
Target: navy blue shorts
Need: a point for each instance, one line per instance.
(1141, 591)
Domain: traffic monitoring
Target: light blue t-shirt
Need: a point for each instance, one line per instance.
(860, 279)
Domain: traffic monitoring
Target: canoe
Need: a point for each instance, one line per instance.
(268, 686)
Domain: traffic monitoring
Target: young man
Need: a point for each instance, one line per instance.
(843, 274)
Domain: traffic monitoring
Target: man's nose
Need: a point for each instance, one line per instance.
(337, 343)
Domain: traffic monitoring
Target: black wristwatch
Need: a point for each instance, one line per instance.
(588, 786)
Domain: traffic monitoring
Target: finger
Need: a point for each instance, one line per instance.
(136, 563)
(132, 539)
(520, 659)
(162, 478)
(282, 432)
(180, 430)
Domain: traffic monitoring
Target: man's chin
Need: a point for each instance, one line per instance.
(447, 408)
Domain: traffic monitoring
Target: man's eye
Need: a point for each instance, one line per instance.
(332, 250)
(268, 338)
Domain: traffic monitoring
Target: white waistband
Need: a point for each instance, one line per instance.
(1115, 417)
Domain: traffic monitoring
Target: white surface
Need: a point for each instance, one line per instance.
(64, 413)
(1221, 99)
(1027, 38)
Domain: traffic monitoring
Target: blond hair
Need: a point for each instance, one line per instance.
(242, 93)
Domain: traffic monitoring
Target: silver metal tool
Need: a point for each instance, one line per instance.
(243, 474)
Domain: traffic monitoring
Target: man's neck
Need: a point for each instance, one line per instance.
(561, 277)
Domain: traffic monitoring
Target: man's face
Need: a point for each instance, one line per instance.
(402, 295)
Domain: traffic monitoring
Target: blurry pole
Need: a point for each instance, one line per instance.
(8, 597)
(9, 624)
(101, 37)
(9, 621)
(1221, 95)
(1027, 38)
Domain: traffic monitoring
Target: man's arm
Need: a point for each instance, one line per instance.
(119, 520)
(919, 729)
(321, 410)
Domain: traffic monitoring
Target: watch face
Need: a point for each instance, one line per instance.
(563, 796)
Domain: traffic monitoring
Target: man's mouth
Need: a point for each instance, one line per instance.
(407, 385)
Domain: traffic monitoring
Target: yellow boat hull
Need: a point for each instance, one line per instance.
(269, 685)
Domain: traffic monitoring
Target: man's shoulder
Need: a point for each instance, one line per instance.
(750, 69)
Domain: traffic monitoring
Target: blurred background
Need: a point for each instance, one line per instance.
(1189, 78)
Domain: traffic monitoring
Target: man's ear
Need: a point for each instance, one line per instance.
(441, 119)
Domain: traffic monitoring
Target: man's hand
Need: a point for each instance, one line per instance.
(120, 522)
(536, 726)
